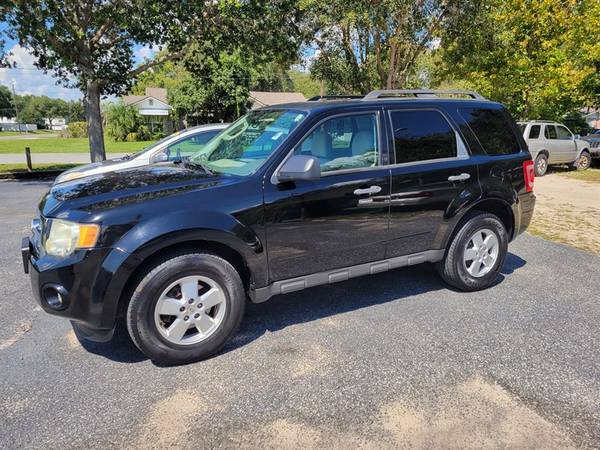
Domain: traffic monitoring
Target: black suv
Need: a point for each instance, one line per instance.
(286, 198)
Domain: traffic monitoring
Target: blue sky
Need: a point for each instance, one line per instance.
(29, 80)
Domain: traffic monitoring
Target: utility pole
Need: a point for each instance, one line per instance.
(16, 107)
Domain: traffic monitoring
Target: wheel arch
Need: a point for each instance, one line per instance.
(493, 205)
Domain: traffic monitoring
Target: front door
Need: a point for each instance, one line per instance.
(341, 219)
(432, 171)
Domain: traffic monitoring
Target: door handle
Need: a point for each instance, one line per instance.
(369, 190)
(461, 177)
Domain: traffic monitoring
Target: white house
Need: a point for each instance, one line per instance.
(592, 117)
(152, 106)
(56, 123)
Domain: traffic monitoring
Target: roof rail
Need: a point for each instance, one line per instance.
(316, 98)
(420, 93)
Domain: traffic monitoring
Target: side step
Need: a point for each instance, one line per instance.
(343, 274)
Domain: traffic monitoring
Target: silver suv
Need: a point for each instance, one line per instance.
(552, 143)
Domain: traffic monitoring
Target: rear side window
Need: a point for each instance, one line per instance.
(550, 132)
(421, 136)
(534, 132)
(492, 130)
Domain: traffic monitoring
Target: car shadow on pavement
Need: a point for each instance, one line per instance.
(309, 305)
(325, 301)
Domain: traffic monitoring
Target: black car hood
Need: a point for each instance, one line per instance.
(121, 187)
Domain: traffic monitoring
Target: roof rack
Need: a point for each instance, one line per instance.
(317, 98)
(421, 93)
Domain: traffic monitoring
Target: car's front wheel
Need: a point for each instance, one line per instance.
(584, 161)
(476, 254)
(186, 308)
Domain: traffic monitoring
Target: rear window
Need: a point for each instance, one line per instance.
(492, 130)
(421, 136)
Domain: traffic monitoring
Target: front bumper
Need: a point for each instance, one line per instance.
(77, 288)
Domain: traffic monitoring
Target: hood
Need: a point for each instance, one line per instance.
(82, 171)
(121, 187)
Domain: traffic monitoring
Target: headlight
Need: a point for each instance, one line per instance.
(69, 176)
(65, 237)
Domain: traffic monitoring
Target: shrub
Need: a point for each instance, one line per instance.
(75, 130)
(157, 136)
(132, 137)
(121, 121)
(143, 133)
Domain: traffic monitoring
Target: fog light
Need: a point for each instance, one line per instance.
(55, 296)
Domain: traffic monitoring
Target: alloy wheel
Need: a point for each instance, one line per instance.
(481, 252)
(190, 310)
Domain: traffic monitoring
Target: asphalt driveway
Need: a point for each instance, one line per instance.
(389, 361)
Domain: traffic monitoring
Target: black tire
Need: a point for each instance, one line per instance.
(140, 312)
(584, 162)
(452, 268)
(541, 165)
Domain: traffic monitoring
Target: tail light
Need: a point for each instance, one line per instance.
(529, 175)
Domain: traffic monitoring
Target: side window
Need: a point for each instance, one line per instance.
(492, 129)
(563, 133)
(190, 145)
(340, 143)
(550, 132)
(421, 136)
(534, 132)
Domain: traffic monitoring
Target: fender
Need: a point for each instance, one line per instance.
(160, 232)
(453, 221)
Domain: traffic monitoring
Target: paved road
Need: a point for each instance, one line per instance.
(393, 360)
(46, 158)
(28, 136)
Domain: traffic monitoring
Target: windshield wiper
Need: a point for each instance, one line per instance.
(198, 165)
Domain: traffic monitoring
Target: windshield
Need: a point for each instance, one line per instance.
(243, 147)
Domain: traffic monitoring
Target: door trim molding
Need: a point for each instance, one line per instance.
(342, 274)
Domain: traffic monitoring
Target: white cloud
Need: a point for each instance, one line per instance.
(145, 52)
(29, 80)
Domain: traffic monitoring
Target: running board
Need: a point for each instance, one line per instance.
(333, 276)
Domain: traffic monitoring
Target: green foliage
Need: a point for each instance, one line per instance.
(365, 45)
(576, 123)
(122, 120)
(7, 108)
(541, 59)
(303, 83)
(77, 129)
(132, 137)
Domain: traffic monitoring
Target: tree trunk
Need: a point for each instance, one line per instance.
(94, 122)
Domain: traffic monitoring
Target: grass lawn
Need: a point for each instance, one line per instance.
(4, 168)
(67, 145)
(591, 174)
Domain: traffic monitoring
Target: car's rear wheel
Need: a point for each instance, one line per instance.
(541, 165)
(584, 161)
(476, 254)
(186, 308)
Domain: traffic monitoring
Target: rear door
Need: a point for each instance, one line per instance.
(432, 173)
(341, 219)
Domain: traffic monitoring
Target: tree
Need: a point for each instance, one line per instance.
(92, 41)
(7, 108)
(121, 120)
(542, 59)
(304, 83)
(365, 44)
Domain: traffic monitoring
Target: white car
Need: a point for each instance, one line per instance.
(171, 148)
(552, 143)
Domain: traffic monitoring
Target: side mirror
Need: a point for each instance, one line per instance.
(159, 157)
(577, 136)
(300, 167)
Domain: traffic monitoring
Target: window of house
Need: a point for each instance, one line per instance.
(340, 143)
(422, 136)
